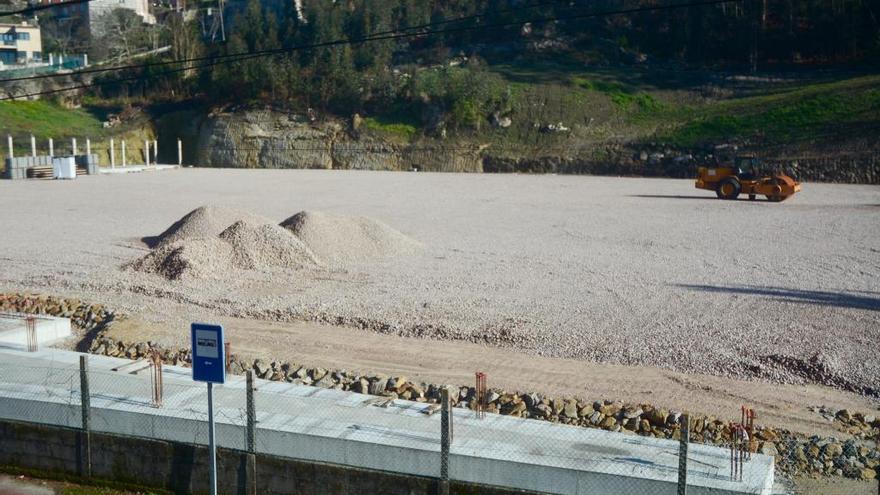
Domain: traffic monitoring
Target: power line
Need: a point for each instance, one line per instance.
(237, 57)
(232, 55)
(383, 35)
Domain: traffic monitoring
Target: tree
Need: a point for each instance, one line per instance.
(186, 41)
(121, 33)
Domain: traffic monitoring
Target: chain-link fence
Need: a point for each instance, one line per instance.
(471, 443)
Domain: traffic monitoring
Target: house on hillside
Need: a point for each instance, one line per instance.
(88, 13)
(20, 44)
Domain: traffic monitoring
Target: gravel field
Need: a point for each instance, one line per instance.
(625, 271)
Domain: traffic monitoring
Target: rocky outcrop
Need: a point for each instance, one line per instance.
(272, 139)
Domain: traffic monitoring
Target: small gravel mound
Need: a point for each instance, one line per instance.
(187, 258)
(260, 247)
(204, 222)
(340, 239)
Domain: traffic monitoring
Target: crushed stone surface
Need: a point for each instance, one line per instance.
(648, 272)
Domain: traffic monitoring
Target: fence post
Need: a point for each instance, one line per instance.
(683, 453)
(112, 154)
(88, 146)
(179, 152)
(33, 146)
(51, 148)
(155, 152)
(146, 153)
(9, 144)
(445, 439)
(251, 440)
(85, 434)
(31, 333)
(73, 146)
(124, 163)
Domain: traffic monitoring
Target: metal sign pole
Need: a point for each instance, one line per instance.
(209, 365)
(211, 445)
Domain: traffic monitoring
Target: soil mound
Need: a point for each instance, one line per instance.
(205, 222)
(259, 247)
(339, 239)
(187, 258)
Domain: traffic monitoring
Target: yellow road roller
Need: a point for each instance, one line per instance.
(729, 181)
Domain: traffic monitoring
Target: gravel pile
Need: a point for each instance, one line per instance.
(261, 247)
(205, 222)
(187, 258)
(210, 240)
(242, 245)
(341, 239)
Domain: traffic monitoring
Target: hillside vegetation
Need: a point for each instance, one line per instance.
(46, 119)
(783, 79)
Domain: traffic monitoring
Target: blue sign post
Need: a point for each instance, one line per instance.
(209, 365)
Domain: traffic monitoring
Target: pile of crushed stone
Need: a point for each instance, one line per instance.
(339, 239)
(206, 221)
(259, 247)
(210, 240)
(196, 258)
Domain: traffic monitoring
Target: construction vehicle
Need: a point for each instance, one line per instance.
(743, 177)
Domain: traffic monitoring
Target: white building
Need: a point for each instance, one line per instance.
(20, 44)
(89, 12)
(98, 8)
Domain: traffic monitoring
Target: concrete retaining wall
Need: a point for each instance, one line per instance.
(182, 468)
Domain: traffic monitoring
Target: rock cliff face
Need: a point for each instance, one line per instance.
(268, 139)
(274, 139)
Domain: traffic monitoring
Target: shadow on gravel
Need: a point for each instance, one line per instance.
(668, 196)
(854, 300)
(151, 240)
(678, 196)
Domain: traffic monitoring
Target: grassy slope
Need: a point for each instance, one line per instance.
(45, 119)
(806, 113)
(637, 105)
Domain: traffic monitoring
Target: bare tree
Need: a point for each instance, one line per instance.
(121, 33)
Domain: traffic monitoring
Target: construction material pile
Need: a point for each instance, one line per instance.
(206, 221)
(210, 240)
(340, 239)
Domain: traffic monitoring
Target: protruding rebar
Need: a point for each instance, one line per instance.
(156, 377)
